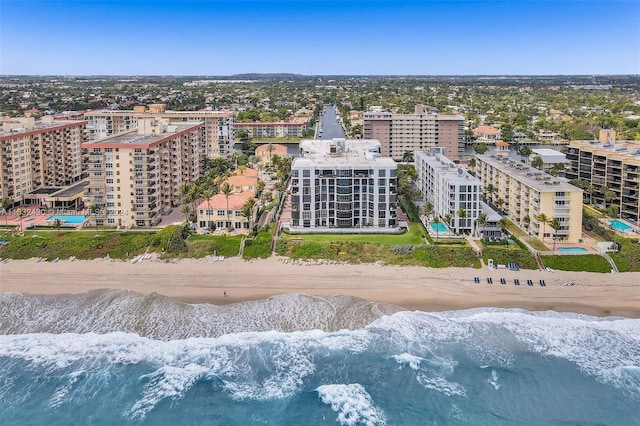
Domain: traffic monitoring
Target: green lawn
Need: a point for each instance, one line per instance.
(412, 236)
(577, 262)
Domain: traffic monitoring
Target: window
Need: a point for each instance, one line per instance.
(220, 212)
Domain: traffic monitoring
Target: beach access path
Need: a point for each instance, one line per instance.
(413, 288)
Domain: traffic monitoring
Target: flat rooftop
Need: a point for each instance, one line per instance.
(134, 139)
(342, 152)
(627, 149)
(452, 172)
(528, 175)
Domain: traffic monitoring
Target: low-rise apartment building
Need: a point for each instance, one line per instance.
(39, 153)
(134, 176)
(524, 192)
(343, 184)
(296, 127)
(224, 212)
(613, 169)
(399, 133)
(219, 132)
(450, 189)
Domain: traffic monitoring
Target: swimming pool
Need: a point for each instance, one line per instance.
(573, 250)
(438, 227)
(619, 225)
(67, 219)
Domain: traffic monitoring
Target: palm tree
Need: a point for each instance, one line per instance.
(21, 213)
(94, 209)
(428, 208)
(226, 190)
(607, 195)
(57, 224)
(270, 149)
(247, 210)
(537, 163)
(437, 221)
(186, 210)
(207, 193)
(555, 224)
(543, 219)
(407, 157)
(471, 164)
(447, 219)
(482, 221)
(503, 225)
(490, 189)
(527, 223)
(524, 152)
(500, 203)
(462, 215)
(6, 203)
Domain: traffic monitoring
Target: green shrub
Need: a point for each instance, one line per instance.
(502, 255)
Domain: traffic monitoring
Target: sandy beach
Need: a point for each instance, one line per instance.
(413, 288)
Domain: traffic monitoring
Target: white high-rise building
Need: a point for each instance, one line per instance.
(450, 189)
(343, 184)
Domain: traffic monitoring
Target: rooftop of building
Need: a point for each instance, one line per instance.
(452, 172)
(148, 113)
(342, 152)
(16, 126)
(133, 139)
(489, 130)
(623, 149)
(534, 178)
(221, 201)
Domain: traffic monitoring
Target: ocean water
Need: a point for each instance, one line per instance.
(121, 358)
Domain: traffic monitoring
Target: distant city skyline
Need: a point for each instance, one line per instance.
(220, 38)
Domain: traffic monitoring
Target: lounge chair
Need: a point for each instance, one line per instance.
(516, 281)
(529, 283)
(542, 283)
(489, 280)
(503, 281)
(476, 280)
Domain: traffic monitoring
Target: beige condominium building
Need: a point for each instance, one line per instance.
(218, 130)
(607, 164)
(399, 133)
(39, 153)
(134, 176)
(523, 191)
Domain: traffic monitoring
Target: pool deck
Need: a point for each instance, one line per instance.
(634, 232)
(33, 217)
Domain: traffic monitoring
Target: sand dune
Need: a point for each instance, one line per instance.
(414, 288)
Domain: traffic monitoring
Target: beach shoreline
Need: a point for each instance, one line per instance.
(412, 288)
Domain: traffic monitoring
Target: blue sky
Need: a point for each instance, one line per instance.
(319, 37)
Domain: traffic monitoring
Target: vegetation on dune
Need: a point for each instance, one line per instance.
(627, 259)
(258, 247)
(502, 255)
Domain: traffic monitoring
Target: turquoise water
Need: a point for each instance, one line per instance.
(619, 225)
(573, 250)
(438, 227)
(305, 360)
(71, 219)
